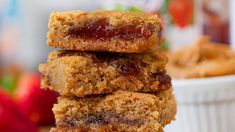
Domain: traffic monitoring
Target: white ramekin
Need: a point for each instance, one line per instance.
(204, 105)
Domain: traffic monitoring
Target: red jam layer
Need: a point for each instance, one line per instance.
(164, 81)
(101, 118)
(129, 69)
(102, 30)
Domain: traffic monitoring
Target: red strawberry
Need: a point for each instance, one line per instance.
(11, 119)
(35, 102)
(181, 11)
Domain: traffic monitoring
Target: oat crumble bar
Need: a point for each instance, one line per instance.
(74, 73)
(121, 110)
(103, 30)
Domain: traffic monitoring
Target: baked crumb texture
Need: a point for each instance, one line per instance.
(110, 73)
(114, 31)
(74, 73)
(120, 111)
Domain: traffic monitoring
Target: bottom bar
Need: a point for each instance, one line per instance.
(120, 111)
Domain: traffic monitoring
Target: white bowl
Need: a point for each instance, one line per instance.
(204, 105)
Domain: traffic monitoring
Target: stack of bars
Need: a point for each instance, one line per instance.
(110, 74)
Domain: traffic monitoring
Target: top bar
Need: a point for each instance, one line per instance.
(103, 30)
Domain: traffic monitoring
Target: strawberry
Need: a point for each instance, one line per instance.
(181, 12)
(35, 102)
(11, 119)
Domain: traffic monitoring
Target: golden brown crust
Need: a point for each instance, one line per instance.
(122, 109)
(202, 59)
(61, 23)
(74, 73)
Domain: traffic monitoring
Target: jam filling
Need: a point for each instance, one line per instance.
(95, 56)
(106, 57)
(102, 118)
(129, 69)
(63, 54)
(164, 81)
(102, 30)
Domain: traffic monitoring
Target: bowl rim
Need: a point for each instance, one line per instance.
(208, 80)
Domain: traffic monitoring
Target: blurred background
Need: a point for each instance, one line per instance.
(23, 30)
(23, 24)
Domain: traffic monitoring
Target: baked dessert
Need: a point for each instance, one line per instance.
(103, 30)
(74, 73)
(202, 59)
(120, 111)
